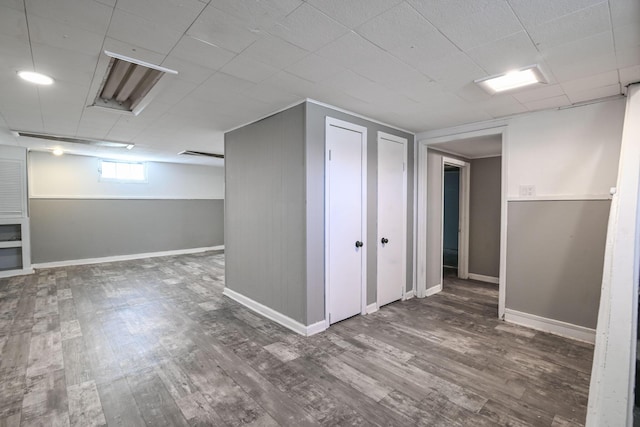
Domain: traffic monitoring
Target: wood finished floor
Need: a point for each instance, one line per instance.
(153, 342)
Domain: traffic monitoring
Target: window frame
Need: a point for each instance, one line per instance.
(101, 178)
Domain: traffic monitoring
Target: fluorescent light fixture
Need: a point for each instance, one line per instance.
(129, 84)
(36, 78)
(130, 146)
(57, 152)
(512, 80)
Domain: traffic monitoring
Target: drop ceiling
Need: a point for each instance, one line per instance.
(407, 63)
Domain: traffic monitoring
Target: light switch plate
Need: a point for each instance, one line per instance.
(527, 190)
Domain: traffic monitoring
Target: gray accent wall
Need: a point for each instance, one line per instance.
(555, 258)
(484, 216)
(314, 159)
(72, 229)
(265, 212)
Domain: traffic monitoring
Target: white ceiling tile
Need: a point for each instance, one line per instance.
(470, 24)
(625, 12)
(594, 93)
(513, 52)
(249, 69)
(291, 84)
(46, 31)
(64, 65)
(541, 104)
(535, 13)
(131, 28)
(14, 4)
(257, 14)
(88, 15)
(582, 58)
(222, 30)
(174, 14)
(314, 68)
(275, 52)
(628, 57)
(200, 53)
(269, 94)
(584, 23)
(354, 12)
(15, 54)
(220, 85)
(630, 75)
(542, 92)
(627, 36)
(452, 71)
(502, 106)
(350, 50)
(13, 23)
(307, 28)
(188, 71)
(591, 82)
(133, 51)
(405, 33)
(175, 90)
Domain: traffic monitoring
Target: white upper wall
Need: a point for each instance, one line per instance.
(571, 153)
(70, 176)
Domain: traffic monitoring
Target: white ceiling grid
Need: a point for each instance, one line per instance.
(408, 63)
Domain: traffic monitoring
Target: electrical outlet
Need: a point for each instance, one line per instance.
(527, 190)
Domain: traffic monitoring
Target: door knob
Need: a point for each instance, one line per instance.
(359, 244)
(384, 240)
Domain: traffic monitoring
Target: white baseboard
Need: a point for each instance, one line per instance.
(433, 290)
(13, 273)
(483, 278)
(556, 327)
(408, 295)
(101, 260)
(372, 308)
(276, 316)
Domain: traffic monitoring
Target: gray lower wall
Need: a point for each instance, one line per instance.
(315, 154)
(71, 229)
(555, 258)
(484, 216)
(265, 212)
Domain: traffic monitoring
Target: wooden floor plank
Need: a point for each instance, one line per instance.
(154, 342)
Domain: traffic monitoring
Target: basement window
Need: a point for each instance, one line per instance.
(111, 170)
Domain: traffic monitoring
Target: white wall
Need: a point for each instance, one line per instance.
(71, 176)
(571, 153)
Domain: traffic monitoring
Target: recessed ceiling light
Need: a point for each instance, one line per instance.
(512, 80)
(37, 78)
(57, 152)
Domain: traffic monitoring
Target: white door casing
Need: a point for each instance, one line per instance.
(463, 219)
(392, 218)
(345, 220)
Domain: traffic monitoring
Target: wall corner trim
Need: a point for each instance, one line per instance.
(372, 308)
(274, 315)
(130, 257)
(433, 290)
(556, 327)
(408, 295)
(483, 278)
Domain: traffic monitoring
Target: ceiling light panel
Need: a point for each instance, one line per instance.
(511, 80)
(129, 84)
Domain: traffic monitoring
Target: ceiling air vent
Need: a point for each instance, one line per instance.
(201, 153)
(129, 84)
(93, 142)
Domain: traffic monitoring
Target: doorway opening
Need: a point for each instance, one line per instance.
(451, 220)
(470, 243)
